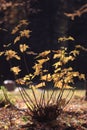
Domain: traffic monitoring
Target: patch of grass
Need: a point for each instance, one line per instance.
(16, 95)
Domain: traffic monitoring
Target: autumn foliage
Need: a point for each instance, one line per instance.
(62, 75)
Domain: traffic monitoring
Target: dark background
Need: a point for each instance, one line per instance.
(47, 23)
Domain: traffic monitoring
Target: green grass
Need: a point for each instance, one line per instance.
(79, 93)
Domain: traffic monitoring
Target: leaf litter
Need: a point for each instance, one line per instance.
(73, 117)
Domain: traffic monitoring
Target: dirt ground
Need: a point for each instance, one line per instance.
(73, 117)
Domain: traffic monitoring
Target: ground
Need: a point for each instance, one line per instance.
(73, 117)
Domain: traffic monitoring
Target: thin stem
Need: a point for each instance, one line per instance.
(34, 96)
(24, 99)
(69, 99)
(28, 97)
(50, 97)
(43, 95)
(27, 69)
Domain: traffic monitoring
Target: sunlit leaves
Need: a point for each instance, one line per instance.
(58, 84)
(41, 61)
(25, 33)
(31, 53)
(45, 70)
(15, 70)
(11, 54)
(20, 33)
(75, 52)
(67, 59)
(81, 47)
(82, 76)
(26, 80)
(20, 81)
(57, 64)
(17, 39)
(63, 39)
(46, 77)
(23, 22)
(60, 53)
(57, 70)
(39, 85)
(1, 53)
(23, 47)
(17, 28)
(75, 74)
(38, 69)
(57, 56)
(27, 77)
(43, 54)
(62, 76)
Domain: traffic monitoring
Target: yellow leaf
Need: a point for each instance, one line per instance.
(56, 56)
(17, 39)
(71, 38)
(20, 81)
(81, 47)
(57, 64)
(15, 30)
(25, 33)
(56, 70)
(38, 69)
(1, 53)
(23, 47)
(75, 52)
(82, 76)
(66, 59)
(43, 54)
(41, 61)
(56, 77)
(27, 77)
(68, 79)
(11, 54)
(16, 70)
(24, 22)
(46, 77)
(75, 74)
(62, 39)
(67, 86)
(42, 84)
(78, 46)
(31, 53)
(45, 70)
(58, 84)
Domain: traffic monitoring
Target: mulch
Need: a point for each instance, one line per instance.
(73, 117)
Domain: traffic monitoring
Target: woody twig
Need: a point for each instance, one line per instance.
(78, 12)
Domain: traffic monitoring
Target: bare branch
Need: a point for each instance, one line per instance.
(78, 12)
